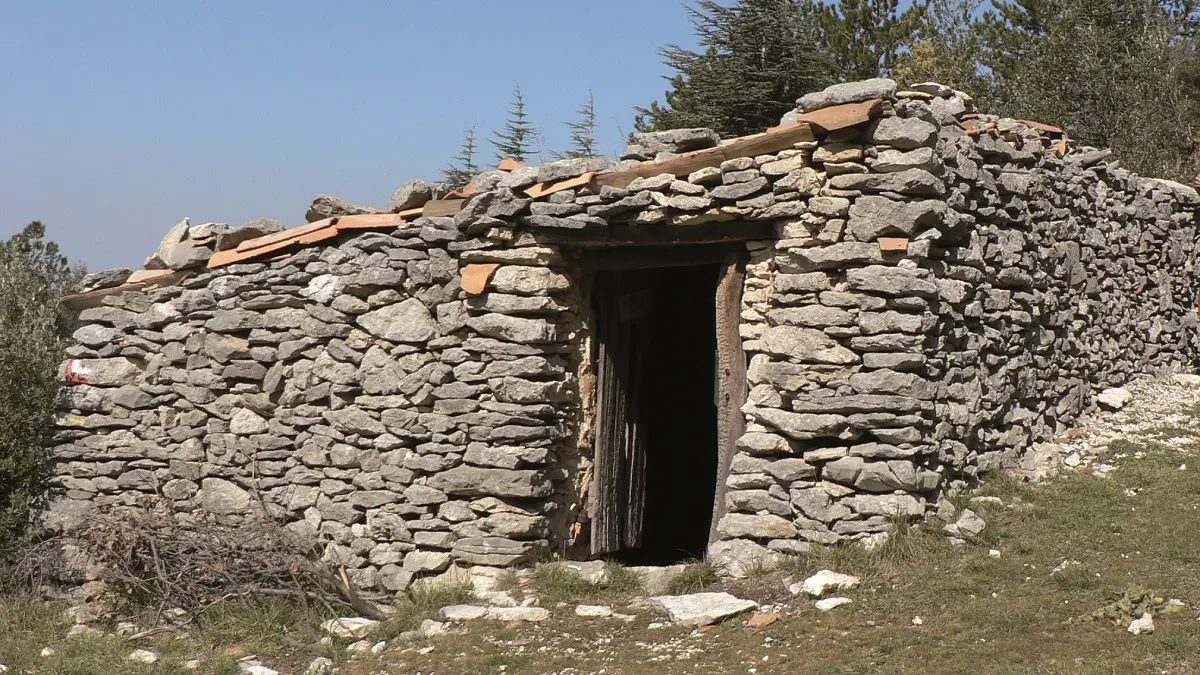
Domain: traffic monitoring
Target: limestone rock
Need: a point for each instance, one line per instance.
(831, 603)
(253, 229)
(701, 609)
(824, 581)
(406, 321)
(350, 627)
(849, 92)
(223, 497)
(412, 194)
(327, 206)
(1115, 398)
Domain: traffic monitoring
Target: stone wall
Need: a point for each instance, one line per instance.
(935, 293)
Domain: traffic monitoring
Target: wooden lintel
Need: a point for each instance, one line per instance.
(368, 221)
(95, 298)
(843, 116)
(682, 165)
(542, 189)
(442, 207)
(657, 235)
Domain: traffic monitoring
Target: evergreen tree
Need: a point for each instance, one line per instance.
(756, 58)
(866, 37)
(1013, 28)
(583, 132)
(948, 49)
(518, 136)
(464, 169)
(34, 330)
(1119, 74)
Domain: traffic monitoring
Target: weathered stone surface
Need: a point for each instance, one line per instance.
(802, 426)
(253, 229)
(675, 140)
(737, 525)
(905, 133)
(824, 581)
(328, 206)
(849, 92)
(805, 345)
(223, 497)
(412, 194)
(873, 216)
(701, 609)
(405, 321)
(910, 182)
(475, 481)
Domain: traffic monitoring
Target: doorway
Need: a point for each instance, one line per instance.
(664, 409)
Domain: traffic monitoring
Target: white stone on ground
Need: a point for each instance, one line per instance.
(824, 581)
(142, 656)
(518, 613)
(594, 611)
(700, 609)
(462, 612)
(349, 627)
(319, 666)
(829, 603)
(48, 651)
(1142, 624)
(255, 667)
(360, 647)
(1187, 379)
(1115, 398)
(429, 628)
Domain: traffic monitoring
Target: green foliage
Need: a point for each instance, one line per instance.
(947, 49)
(755, 59)
(867, 37)
(33, 333)
(1119, 74)
(516, 140)
(583, 132)
(464, 169)
(694, 577)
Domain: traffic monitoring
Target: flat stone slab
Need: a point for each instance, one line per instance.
(462, 612)
(824, 581)
(829, 603)
(531, 614)
(700, 609)
(349, 627)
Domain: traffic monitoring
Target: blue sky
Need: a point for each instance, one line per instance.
(119, 118)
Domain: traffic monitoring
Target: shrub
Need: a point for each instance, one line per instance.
(34, 329)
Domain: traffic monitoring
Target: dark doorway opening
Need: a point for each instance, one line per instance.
(658, 438)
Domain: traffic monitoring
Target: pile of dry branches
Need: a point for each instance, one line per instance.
(148, 558)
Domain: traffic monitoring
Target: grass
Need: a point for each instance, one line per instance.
(422, 601)
(555, 582)
(284, 632)
(696, 576)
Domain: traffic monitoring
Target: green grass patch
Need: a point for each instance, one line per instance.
(695, 577)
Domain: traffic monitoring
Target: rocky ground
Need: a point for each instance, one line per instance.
(1085, 562)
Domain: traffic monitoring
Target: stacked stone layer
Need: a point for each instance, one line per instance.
(932, 303)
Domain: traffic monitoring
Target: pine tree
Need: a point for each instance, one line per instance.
(867, 37)
(1013, 28)
(756, 58)
(948, 49)
(583, 132)
(464, 169)
(518, 136)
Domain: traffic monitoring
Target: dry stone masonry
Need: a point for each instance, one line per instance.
(929, 292)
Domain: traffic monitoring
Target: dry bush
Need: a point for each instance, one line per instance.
(147, 558)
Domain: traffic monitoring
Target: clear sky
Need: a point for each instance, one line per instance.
(118, 118)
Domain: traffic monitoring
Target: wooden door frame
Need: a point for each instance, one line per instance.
(730, 385)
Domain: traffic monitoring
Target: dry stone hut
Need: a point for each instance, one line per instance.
(743, 347)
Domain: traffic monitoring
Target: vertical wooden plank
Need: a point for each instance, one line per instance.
(607, 448)
(731, 378)
(639, 330)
